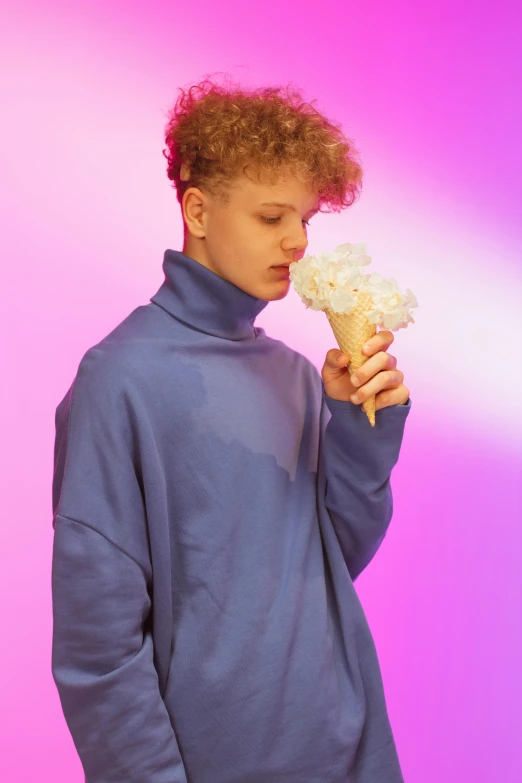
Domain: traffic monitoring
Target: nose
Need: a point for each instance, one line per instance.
(298, 243)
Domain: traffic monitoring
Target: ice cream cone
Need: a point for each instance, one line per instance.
(352, 330)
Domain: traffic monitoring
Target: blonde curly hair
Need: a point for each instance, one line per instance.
(214, 133)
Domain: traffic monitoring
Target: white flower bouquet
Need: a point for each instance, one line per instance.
(354, 303)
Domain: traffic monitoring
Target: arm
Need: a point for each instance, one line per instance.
(358, 460)
(102, 661)
(102, 649)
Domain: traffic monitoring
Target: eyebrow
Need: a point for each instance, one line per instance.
(283, 206)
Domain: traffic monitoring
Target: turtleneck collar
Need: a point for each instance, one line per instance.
(198, 297)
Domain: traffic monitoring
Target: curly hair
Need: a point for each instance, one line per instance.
(214, 133)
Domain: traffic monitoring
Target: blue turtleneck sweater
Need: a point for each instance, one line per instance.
(212, 508)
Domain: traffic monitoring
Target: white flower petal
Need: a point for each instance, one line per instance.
(329, 279)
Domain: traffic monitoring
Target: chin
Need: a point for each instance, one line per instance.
(274, 295)
(269, 292)
(282, 293)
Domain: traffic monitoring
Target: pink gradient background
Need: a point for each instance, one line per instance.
(431, 96)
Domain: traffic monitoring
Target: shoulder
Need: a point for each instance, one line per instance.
(301, 367)
(302, 363)
(117, 362)
(107, 379)
(114, 377)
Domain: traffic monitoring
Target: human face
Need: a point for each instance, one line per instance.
(245, 240)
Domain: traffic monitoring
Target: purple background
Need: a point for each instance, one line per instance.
(431, 95)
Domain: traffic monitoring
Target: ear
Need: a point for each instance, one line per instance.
(193, 206)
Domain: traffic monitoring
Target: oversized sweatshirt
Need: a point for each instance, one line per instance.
(212, 508)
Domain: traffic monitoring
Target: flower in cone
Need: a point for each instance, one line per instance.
(354, 303)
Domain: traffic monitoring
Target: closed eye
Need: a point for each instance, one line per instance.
(275, 219)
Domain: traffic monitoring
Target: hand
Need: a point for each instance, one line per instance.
(378, 375)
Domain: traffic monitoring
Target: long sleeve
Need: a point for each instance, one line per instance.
(102, 645)
(358, 460)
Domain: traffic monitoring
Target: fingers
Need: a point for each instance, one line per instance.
(336, 359)
(387, 379)
(396, 396)
(380, 341)
(380, 361)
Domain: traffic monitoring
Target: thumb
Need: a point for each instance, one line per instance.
(336, 358)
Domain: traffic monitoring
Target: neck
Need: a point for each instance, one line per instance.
(198, 297)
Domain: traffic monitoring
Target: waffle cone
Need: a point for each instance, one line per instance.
(352, 330)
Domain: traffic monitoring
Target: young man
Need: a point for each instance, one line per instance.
(215, 497)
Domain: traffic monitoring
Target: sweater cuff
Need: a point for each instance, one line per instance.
(357, 410)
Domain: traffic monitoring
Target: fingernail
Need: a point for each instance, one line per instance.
(366, 348)
(355, 380)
